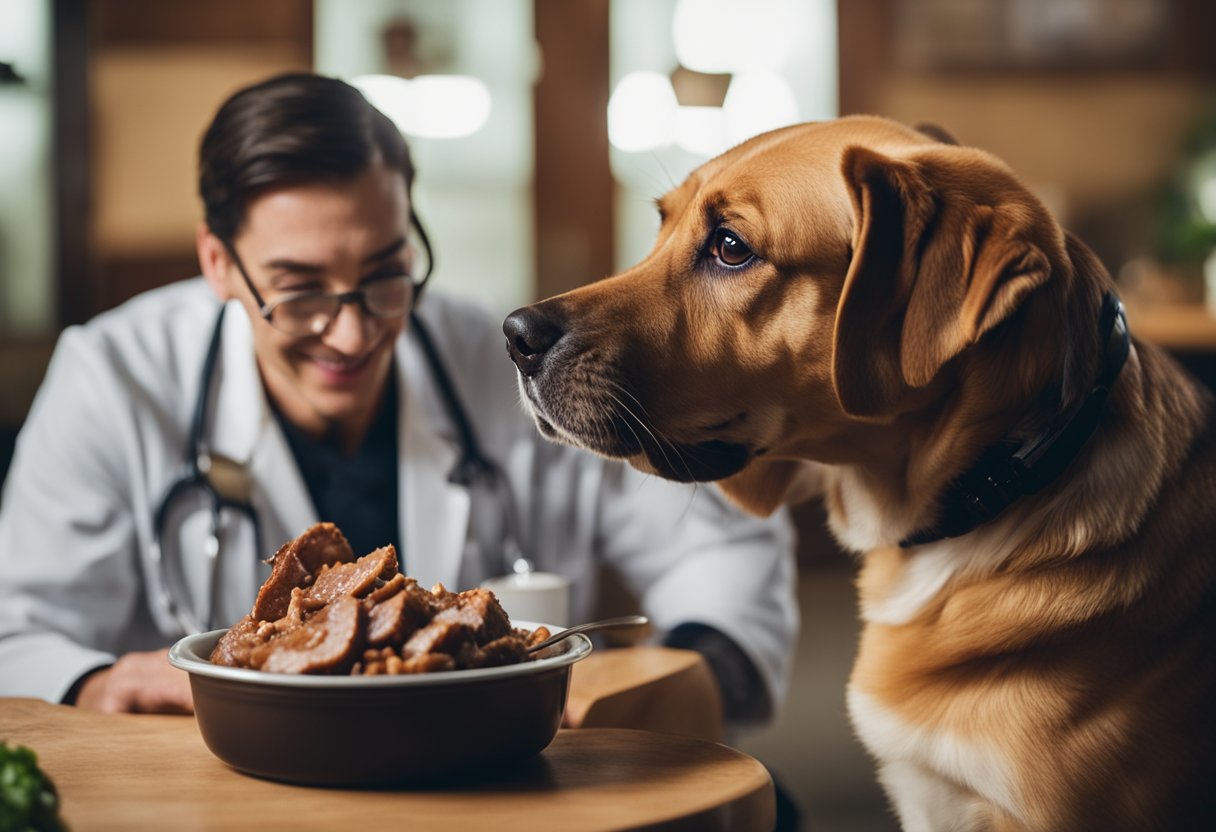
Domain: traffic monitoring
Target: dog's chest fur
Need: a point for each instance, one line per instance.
(936, 754)
(1006, 698)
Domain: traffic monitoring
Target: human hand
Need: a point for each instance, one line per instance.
(138, 683)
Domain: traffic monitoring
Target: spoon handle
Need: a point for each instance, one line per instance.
(607, 623)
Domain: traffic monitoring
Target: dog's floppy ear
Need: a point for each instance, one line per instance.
(936, 132)
(944, 248)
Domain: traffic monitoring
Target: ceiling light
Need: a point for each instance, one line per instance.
(757, 102)
(720, 36)
(642, 112)
(429, 106)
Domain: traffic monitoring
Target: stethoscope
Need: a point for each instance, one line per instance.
(228, 486)
(226, 483)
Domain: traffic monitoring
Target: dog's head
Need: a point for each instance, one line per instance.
(809, 290)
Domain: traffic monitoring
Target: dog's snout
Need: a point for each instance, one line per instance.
(530, 335)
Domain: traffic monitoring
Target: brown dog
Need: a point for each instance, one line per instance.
(1039, 602)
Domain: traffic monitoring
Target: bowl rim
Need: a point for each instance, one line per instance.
(185, 655)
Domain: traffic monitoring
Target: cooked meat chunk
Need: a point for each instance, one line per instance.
(357, 578)
(322, 545)
(286, 574)
(393, 620)
(235, 646)
(506, 650)
(474, 616)
(386, 621)
(297, 563)
(326, 642)
(442, 635)
(389, 588)
(533, 638)
(479, 609)
(323, 611)
(442, 598)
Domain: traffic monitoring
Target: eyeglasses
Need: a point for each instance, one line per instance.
(310, 313)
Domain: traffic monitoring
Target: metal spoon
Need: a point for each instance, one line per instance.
(605, 624)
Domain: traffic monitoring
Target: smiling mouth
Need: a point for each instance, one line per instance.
(340, 371)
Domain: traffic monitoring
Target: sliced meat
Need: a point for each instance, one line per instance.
(297, 563)
(235, 646)
(442, 635)
(322, 544)
(394, 620)
(287, 573)
(387, 621)
(389, 588)
(473, 615)
(356, 579)
(321, 608)
(327, 642)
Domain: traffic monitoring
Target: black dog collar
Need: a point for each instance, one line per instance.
(1006, 471)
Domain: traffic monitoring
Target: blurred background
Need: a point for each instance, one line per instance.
(544, 129)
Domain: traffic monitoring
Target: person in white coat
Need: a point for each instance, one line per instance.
(180, 438)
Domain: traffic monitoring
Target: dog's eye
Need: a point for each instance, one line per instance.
(729, 249)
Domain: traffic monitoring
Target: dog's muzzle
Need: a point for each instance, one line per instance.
(573, 401)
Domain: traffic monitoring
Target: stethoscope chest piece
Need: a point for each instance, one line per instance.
(231, 480)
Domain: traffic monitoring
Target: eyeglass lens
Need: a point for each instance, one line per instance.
(310, 313)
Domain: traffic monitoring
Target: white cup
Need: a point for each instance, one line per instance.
(539, 597)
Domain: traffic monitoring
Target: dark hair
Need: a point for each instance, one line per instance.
(293, 129)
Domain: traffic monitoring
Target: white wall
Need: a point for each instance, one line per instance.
(27, 286)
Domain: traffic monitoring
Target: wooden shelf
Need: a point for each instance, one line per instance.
(1178, 327)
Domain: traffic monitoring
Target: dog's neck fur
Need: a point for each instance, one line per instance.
(872, 508)
(1010, 470)
(874, 505)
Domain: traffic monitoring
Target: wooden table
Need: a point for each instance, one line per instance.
(128, 772)
(651, 688)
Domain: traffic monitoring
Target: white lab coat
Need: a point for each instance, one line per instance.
(107, 434)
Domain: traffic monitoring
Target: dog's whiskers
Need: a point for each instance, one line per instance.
(696, 486)
(629, 422)
(660, 441)
(634, 419)
(642, 422)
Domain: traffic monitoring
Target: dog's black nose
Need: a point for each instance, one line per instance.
(530, 334)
